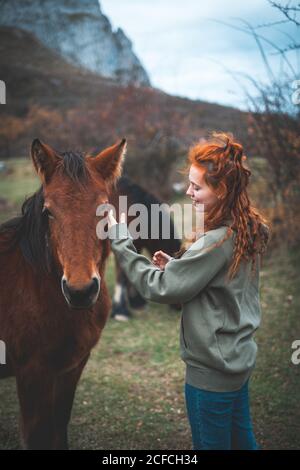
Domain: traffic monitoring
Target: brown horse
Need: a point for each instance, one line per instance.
(54, 302)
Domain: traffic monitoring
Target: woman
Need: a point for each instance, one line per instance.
(216, 279)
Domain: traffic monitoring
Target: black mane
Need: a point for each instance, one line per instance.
(30, 230)
(74, 166)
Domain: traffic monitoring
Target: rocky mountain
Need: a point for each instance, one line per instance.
(80, 33)
(43, 88)
(70, 107)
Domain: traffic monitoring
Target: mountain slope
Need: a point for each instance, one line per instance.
(69, 107)
(81, 33)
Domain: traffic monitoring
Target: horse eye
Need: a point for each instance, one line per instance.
(47, 212)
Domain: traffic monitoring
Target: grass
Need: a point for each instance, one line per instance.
(131, 392)
(16, 183)
(276, 380)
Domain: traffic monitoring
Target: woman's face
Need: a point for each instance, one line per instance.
(201, 194)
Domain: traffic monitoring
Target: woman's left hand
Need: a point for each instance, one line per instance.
(160, 259)
(112, 221)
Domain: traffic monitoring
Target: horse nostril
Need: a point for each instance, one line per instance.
(94, 286)
(82, 295)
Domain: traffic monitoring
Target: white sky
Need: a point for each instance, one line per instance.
(185, 52)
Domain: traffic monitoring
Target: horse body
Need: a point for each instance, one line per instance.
(51, 318)
(48, 346)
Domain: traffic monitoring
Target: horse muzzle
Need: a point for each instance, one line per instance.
(81, 298)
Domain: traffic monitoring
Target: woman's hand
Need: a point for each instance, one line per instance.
(160, 259)
(112, 221)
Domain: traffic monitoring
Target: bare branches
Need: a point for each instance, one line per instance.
(290, 12)
(250, 30)
(274, 125)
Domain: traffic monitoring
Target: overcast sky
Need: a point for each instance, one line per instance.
(186, 53)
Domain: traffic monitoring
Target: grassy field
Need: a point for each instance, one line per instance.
(131, 392)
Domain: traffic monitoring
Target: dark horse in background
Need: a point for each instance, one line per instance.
(125, 295)
(54, 302)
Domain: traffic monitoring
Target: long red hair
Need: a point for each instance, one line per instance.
(226, 174)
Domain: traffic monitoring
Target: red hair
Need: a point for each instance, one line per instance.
(223, 158)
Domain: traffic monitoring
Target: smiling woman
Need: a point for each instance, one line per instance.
(217, 282)
(202, 195)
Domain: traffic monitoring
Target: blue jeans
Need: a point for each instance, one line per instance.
(220, 420)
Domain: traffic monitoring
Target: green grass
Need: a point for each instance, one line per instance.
(276, 380)
(17, 183)
(131, 392)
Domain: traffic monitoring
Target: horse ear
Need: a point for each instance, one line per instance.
(109, 162)
(44, 159)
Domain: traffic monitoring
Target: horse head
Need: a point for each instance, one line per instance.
(73, 186)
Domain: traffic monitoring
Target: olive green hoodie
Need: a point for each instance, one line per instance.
(218, 317)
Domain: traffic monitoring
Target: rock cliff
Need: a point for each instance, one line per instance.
(80, 32)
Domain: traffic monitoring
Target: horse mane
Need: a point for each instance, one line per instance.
(30, 230)
(73, 166)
